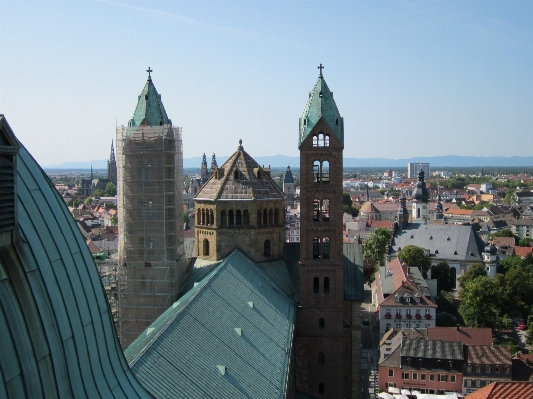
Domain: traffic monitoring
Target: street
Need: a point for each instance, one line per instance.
(369, 352)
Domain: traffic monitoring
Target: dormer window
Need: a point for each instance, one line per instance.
(436, 251)
(407, 299)
(455, 252)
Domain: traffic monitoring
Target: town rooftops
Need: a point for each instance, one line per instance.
(522, 251)
(489, 354)
(466, 335)
(432, 349)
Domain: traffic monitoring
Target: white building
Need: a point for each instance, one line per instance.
(414, 167)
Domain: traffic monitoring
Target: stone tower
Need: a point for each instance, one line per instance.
(322, 343)
(240, 206)
(112, 166)
(204, 173)
(288, 188)
(150, 187)
(420, 201)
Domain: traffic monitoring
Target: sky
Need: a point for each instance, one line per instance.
(410, 78)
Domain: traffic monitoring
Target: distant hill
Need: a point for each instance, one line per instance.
(283, 161)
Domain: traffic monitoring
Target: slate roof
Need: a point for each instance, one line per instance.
(149, 108)
(466, 335)
(504, 390)
(253, 182)
(321, 105)
(432, 349)
(57, 334)
(288, 176)
(489, 354)
(446, 239)
(229, 336)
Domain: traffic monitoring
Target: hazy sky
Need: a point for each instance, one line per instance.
(410, 78)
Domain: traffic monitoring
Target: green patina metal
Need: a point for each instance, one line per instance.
(150, 109)
(321, 105)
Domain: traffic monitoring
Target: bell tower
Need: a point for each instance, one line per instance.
(322, 351)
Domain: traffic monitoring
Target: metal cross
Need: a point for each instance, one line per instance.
(149, 71)
(320, 67)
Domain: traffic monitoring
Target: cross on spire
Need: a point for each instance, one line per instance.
(149, 70)
(320, 67)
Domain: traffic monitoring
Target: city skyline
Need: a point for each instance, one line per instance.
(412, 78)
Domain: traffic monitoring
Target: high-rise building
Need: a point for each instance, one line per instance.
(414, 167)
(150, 187)
(323, 339)
(112, 166)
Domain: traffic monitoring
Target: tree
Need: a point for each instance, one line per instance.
(445, 319)
(504, 233)
(347, 205)
(510, 198)
(114, 220)
(445, 280)
(110, 190)
(416, 257)
(377, 245)
(346, 199)
(479, 300)
(524, 242)
(476, 270)
(74, 202)
(98, 193)
(504, 265)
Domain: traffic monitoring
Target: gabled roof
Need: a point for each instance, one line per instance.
(240, 178)
(466, 335)
(432, 349)
(522, 251)
(489, 354)
(231, 334)
(321, 106)
(504, 390)
(150, 110)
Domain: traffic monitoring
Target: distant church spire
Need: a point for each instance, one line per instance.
(214, 162)
(203, 169)
(112, 166)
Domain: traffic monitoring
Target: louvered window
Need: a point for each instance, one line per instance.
(7, 193)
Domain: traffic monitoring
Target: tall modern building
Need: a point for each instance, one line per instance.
(150, 187)
(323, 339)
(414, 167)
(112, 166)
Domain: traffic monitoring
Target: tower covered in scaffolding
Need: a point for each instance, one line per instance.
(150, 187)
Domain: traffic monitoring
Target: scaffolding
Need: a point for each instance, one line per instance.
(150, 186)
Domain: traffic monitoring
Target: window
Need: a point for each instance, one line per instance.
(391, 372)
(427, 311)
(321, 358)
(387, 327)
(316, 210)
(469, 368)
(315, 285)
(267, 247)
(321, 323)
(315, 138)
(316, 247)
(431, 391)
(245, 218)
(270, 217)
(325, 172)
(497, 369)
(452, 378)
(265, 219)
(423, 377)
(432, 377)
(236, 175)
(408, 311)
(398, 311)
(398, 325)
(468, 383)
(316, 171)
(487, 368)
(506, 369)
(388, 312)
(276, 217)
(326, 285)
(478, 368)
(443, 378)
(321, 388)
(206, 247)
(231, 218)
(258, 218)
(407, 299)
(325, 210)
(238, 218)
(415, 376)
(325, 248)
(405, 375)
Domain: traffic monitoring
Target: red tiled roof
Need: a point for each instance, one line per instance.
(504, 390)
(459, 211)
(386, 224)
(468, 336)
(500, 241)
(522, 251)
(485, 354)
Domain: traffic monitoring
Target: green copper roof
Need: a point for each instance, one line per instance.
(150, 108)
(321, 105)
(230, 336)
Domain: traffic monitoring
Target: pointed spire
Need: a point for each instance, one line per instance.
(112, 155)
(91, 172)
(321, 105)
(150, 110)
(214, 162)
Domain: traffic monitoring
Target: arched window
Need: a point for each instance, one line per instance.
(321, 358)
(326, 140)
(238, 218)
(453, 276)
(316, 210)
(258, 218)
(315, 140)
(276, 217)
(316, 171)
(231, 218)
(245, 218)
(202, 217)
(325, 172)
(434, 271)
(265, 217)
(316, 285)
(270, 217)
(321, 388)
(266, 247)
(206, 247)
(211, 217)
(326, 285)
(321, 323)
(325, 248)
(316, 247)
(418, 213)
(236, 175)
(325, 209)
(223, 219)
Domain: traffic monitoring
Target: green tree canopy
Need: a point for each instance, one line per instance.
(504, 233)
(376, 245)
(416, 257)
(506, 264)
(479, 302)
(114, 220)
(346, 199)
(74, 202)
(445, 280)
(476, 270)
(110, 190)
